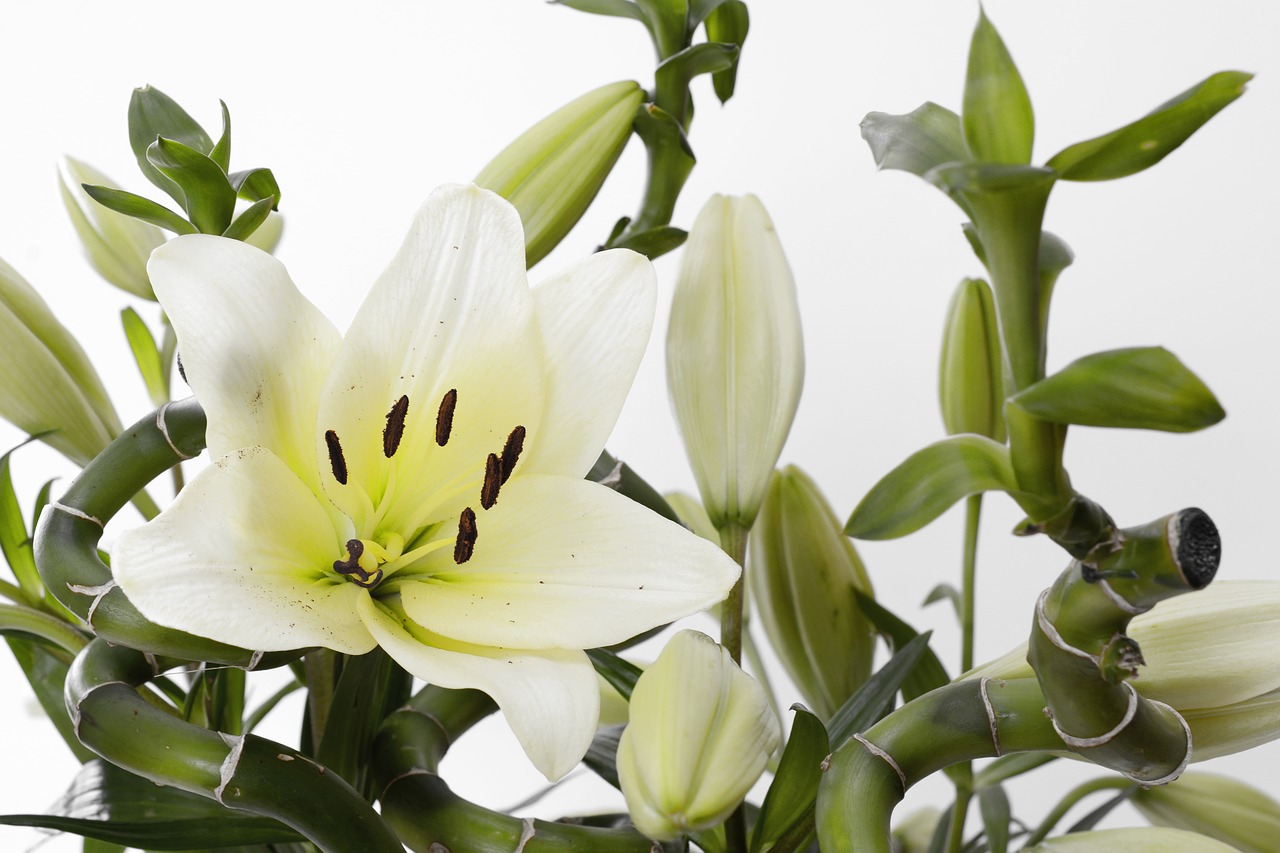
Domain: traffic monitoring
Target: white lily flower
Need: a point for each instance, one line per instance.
(418, 484)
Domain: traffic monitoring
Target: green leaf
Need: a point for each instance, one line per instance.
(727, 23)
(1150, 139)
(145, 355)
(602, 755)
(945, 592)
(221, 152)
(655, 242)
(917, 142)
(789, 802)
(620, 477)
(621, 674)
(256, 185)
(1010, 766)
(370, 687)
(139, 813)
(999, 125)
(674, 74)
(928, 483)
(1138, 388)
(874, 698)
(15, 541)
(994, 806)
(248, 221)
(153, 114)
(668, 23)
(929, 673)
(210, 198)
(139, 208)
(46, 674)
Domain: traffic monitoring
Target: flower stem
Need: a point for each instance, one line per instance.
(1069, 800)
(733, 539)
(972, 517)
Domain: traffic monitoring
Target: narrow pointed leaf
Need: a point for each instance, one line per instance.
(929, 673)
(370, 688)
(993, 803)
(248, 221)
(727, 23)
(15, 541)
(221, 152)
(620, 477)
(148, 816)
(153, 114)
(1150, 139)
(145, 355)
(945, 592)
(794, 789)
(139, 208)
(256, 185)
(917, 142)
(674, 74)
(999, 125)
(602, 755)
(928, 483)
(655, 242)
(1095, 817)
(621, 674)
(210, 199)
(1138, 388)
(872, 701)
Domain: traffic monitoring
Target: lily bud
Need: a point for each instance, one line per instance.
(116, 245)
(970, 378)
(552, 171)
(700, 735)
(804, 572)
(1145, 840)
(267, 235)
(1211, 655)
(735, 355)
(1216, 806)
(46, 381)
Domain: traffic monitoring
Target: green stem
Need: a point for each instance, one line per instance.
(752, 651)
(14, 593)
(319, 666)
(1069, 800)
(959, 811)
(143, 503)
(972, 517)
(15, 617)
(733, 539)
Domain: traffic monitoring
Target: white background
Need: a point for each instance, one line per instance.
(362, 114)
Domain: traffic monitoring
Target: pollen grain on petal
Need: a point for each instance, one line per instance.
(394, 430)
(336, 460)
(465, 544)
(493, 480)
(511, 452)
(444, 418)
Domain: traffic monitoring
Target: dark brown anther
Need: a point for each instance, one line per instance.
(368, 581)
(444, 418)
(511, 452)
(465, 544)
(351, 565)
(336, 459)
(493, 480)
(394, 430)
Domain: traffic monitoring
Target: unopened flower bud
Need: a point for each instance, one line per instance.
(46, 381)
(267, 235)
(970, 384)
(804, 572)
(1209, 654)
(1216, 806)
(116, 245)
(552, 171)
(700, 735)
(1145, 840)
(735, 355)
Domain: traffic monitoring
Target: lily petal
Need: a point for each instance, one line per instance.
(566, 563)
(549, 698)
(452, 312)
(253, 349)
(259, 578)
(596, 318)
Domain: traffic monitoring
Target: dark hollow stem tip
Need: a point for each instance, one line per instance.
(1199, 547)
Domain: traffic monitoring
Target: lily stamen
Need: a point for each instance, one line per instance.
(336, 460)
(511, 451)
(494, 477)
(444, 417)
(465, 545)
(394, 430)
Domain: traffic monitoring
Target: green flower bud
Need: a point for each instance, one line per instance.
(1211, 655)
(552, 171)
(267, 235)
(1216, 806)
(700, 735)
(804, 572)
(970, 383)
(46, 380)
(116, 245)
(1143, 840)
(735, 355)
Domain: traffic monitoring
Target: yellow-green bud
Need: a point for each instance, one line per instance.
(1216, 806)
(1145, 840)
(804, 571)
(970, 384)
(116, 245)
(552, 171)
(1209, 654)
(735, 355)
(46, 380)
(700, 735)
